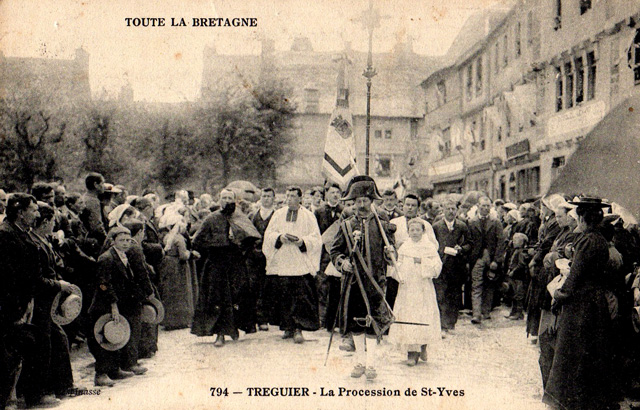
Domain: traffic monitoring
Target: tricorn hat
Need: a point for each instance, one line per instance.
(152, 311)
(361, 185)
(66, 307)
(589, 201)
(112, 335)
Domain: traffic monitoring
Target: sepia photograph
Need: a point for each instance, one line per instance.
(281, 204)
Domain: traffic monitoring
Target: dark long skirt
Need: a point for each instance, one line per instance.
(50, 373)
(176, 290)
(581, 376)
(215, 312)
(296, 303)
(535, 301)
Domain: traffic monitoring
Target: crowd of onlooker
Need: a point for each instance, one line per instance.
(132, 261)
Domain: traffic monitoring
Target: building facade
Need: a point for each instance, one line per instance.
(518, 102)
(396, 103)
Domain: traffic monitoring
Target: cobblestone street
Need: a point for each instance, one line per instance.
(496, 367)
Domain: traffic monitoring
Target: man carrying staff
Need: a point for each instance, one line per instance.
(360, 253)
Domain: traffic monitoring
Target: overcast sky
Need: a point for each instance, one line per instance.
(165, 63)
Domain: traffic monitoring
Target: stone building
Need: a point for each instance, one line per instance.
(521, 98)
(396, 103)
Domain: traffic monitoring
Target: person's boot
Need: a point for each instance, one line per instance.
(219, 341)
(297, 336)
(423, 353)
(288, 334)
(102, 380)
(263, 327)
(370, 373)
(358, 371)
(347, 344)
(412, 358)
(120, 374)
(136, 369)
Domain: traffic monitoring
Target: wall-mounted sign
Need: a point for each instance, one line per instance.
(518, 149)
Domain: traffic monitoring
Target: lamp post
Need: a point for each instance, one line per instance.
(370, 20)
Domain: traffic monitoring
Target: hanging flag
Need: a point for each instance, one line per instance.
(339, 163)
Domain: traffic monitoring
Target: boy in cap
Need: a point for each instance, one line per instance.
(119, 290)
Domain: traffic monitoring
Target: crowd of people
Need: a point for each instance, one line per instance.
(110, 269)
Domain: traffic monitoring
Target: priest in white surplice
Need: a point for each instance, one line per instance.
(292, 246)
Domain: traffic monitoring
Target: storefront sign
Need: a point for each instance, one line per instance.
(445, 169)
(518, 149)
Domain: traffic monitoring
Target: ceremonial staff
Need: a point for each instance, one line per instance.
(370, 20)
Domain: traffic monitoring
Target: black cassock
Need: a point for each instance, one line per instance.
(222, 305)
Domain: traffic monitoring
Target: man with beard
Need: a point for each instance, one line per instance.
(221, 238)
(453, 237)
(360, 253)
(328, 286)
(21, 281)
(92, 215)
(292, 246)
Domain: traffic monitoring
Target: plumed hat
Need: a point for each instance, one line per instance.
(361, 185)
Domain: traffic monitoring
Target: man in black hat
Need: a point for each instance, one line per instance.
(360, 253)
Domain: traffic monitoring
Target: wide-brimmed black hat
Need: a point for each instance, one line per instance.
(361, 185)
(590, 201)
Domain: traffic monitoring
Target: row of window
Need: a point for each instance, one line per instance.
(523, 184)
(387, 134)
(574, 79)
(585, 5)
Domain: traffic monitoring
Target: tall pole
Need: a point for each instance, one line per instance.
(371, 20)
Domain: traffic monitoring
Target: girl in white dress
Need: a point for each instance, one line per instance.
(418, 265)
